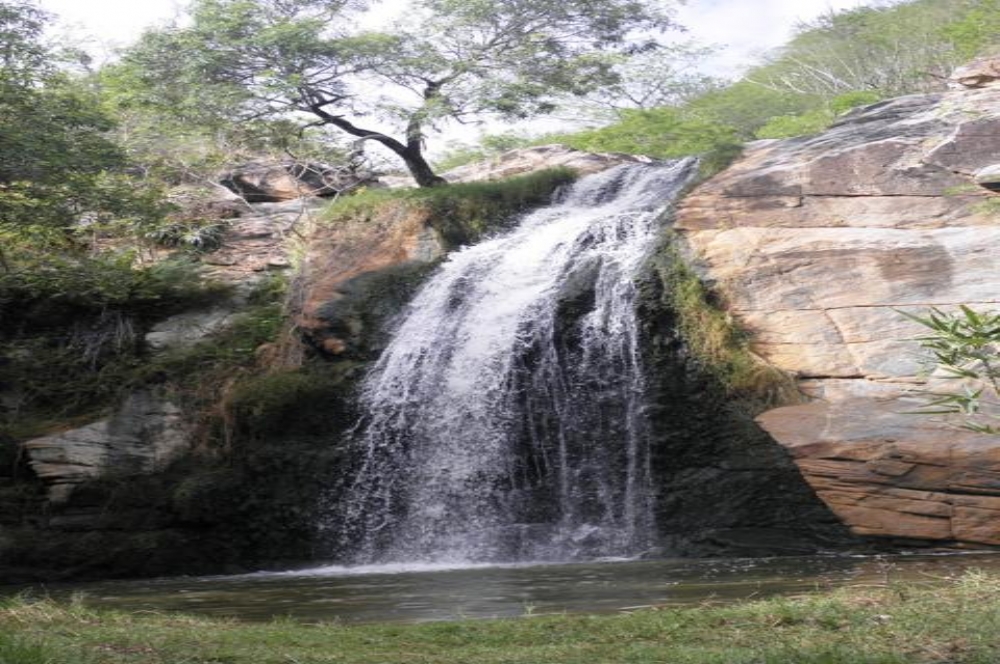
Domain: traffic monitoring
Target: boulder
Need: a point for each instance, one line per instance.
(143, 436)
(817, 245)
(259, 182)
(188, 328)
(988, 177)
(977, 74)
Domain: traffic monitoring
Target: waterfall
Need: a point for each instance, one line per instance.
(504, 421)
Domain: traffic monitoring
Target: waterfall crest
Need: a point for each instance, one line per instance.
(504, 421)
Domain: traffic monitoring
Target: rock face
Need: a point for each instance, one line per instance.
(143, 436)
(977, 74)
(817, 244)
(527, 160)
(283, 181)
(255, 243)
(347, 271)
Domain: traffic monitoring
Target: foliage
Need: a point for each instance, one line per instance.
(815, 120)
(175, 148)
(199, 234)
(60, 174)
(892, 50)
(976, 31)
(933, 621)
(461, 212)
(661, 132)
(44, 290)
(668, 76)
(249, 60)
(71, 327)
(965, 347)
(836, 62)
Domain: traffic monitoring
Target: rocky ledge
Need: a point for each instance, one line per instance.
(817, 244)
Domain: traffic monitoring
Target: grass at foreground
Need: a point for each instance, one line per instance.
(958, 622)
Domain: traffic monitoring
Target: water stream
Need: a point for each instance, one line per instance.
(504, 421)
(425, 592)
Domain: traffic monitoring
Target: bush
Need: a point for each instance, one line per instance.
(965, 347)
(461, 212)
(659, 132)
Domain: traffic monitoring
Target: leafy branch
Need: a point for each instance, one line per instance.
(965, 346)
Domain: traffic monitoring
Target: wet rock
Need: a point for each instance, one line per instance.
(817, 244)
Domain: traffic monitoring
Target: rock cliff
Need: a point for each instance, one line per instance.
(817, 244)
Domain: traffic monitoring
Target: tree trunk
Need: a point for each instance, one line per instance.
(420, 169)
(410, 152)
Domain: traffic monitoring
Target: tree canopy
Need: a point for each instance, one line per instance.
(451, 60)
(59, 169)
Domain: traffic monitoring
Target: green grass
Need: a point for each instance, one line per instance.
(460, 212)
(957, 623)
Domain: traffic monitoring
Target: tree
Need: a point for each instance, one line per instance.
(892, 50)
(453, 60)
(59, 171)
(666, 76)
(976, 31)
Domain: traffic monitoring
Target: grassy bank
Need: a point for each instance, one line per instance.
(957, 622)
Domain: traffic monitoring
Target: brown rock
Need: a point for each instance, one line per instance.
(282, 181)
(977, 74)
(816, 245)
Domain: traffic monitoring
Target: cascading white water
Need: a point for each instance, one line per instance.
(504, 421)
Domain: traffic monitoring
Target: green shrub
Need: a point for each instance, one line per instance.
(461, 212)
(658, 132)
(964, 346)
(816, 120)
(275, 403)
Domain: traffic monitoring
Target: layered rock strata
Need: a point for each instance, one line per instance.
(144, 435)
(817, 245)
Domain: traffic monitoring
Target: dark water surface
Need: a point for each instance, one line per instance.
(423, 593)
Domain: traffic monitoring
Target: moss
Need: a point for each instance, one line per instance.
(715, 340)
(718, 159)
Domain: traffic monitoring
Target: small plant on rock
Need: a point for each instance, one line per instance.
(965, 347)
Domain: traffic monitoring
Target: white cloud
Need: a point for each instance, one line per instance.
(115, 22)
(745, 28)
